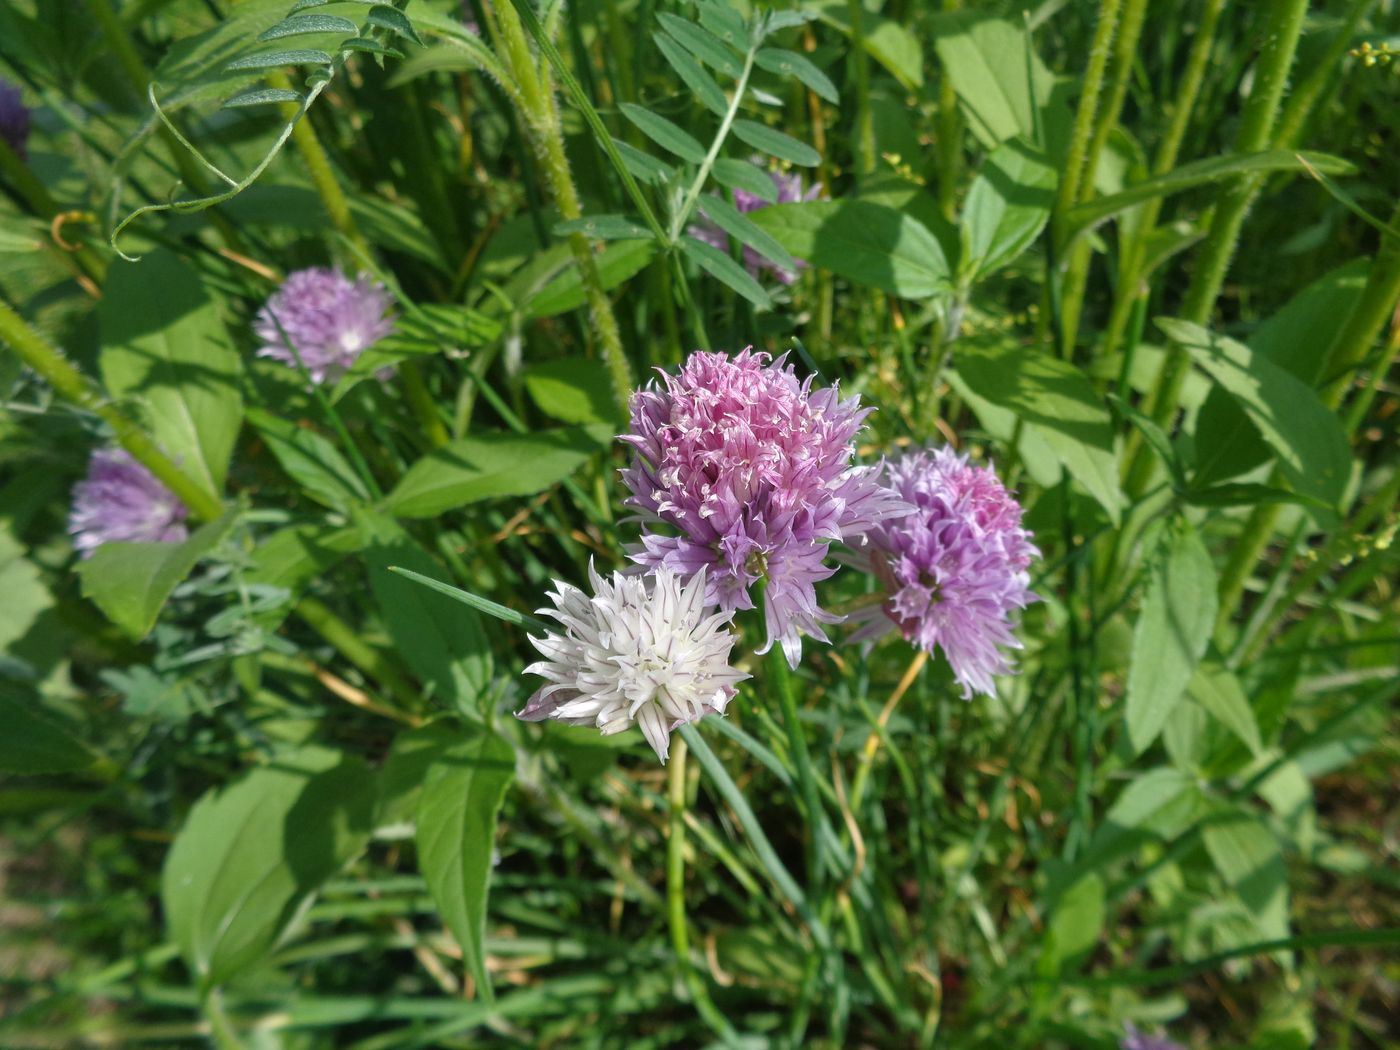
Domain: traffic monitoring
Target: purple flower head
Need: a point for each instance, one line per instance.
(1136, 1040)
(789, 189)
(122, 501)
(954, 567)
(330, 320)
(753, 470)
(14, 117)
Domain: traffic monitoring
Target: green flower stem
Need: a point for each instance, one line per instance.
(781, 681)
(73, 386)
(1305, 96)
(675, 891)
(682, 216)
(534, 95)
(1130, 293)
(865, 121)
(877, 732)
(1280, 34)
(949, 141)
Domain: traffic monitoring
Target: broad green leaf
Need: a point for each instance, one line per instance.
(998, 86)
(863, 242)
(442, 643)
(1076, 921)
(250, 856)
(792, 64)
(664, 133)
(1245, 494)
(1306, 438)
(301, 25)
(310, 460)
(703, 44)
(406, 767)
(739, 226)
(23, 595)
(456, 836)
(31, 743)
(1217, 690)
(919, 204)
(1296, 339)
(1199, 173)
(1007, 206)
(130, 582)
(1056, 399)
(485, 466)
(604, 228)
(1162, 801)
(694, 75)
(885, 40)
(741, 175)
(573, 391)
(616, 263)
(165, 345)
(775, 143)
(1173, 629)
(724, 269)
(1249, 858)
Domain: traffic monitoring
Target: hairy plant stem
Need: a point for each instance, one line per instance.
(1305, 96)
(1282, 27)
(1133, 255)
(1082, 163)
(675, 891)
(534, 93)
(74, 387)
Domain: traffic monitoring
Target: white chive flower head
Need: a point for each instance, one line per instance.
(642, 650)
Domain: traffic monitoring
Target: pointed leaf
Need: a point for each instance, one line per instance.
(310, 460)
(731, 221)
(277, 59)
(1217, 689)
(694, 75)
(299, 25)
(604, 228)
(456, 837)
(130, 582)
(776, 144)
(741, 175)
(1008, 205)
(724, 269)
(703, 44)
(394, 20)
(1173, 629)
(642, 165)
(665, 134)
(791, 64)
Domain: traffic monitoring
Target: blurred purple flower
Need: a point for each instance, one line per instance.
(789, 189)
(14, 117)
(754, 470)
(122, 501)
(330, 320)
(954, 568)
(1136, 1040)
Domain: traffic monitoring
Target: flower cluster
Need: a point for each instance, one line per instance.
(122, 501)
(953, 567)
(328, 319)
(753, 471)
(641, 651)
(789, 190)
(743, 475)
(14, 118)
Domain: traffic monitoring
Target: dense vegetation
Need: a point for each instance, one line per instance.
(294, 294)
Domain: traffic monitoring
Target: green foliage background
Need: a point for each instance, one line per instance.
(258, 790)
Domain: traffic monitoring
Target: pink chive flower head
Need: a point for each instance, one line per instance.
(122, 501)
(330, 320)
(752, 469)
(789, 188)
(954, 567)
(14, 118)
